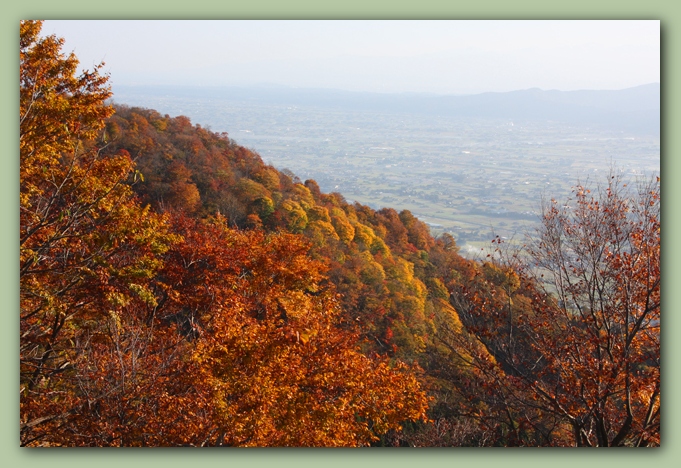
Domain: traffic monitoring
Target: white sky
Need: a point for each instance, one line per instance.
(387, 56)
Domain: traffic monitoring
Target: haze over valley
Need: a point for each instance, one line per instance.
(475, 166)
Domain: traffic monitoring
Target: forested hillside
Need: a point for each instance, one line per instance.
(176, 290)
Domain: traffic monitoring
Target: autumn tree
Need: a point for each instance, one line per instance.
(86, 246)
(480, 352)
(600, 338)
(574, 326)
(270, 356)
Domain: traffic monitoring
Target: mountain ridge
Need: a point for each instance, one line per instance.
(635, 109)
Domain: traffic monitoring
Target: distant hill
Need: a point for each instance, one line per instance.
(633, 109)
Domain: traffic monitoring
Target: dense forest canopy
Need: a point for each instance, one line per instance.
(176, 290)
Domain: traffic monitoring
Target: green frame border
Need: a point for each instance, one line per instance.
(664, 10)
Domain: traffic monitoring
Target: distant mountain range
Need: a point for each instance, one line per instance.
(634, 109)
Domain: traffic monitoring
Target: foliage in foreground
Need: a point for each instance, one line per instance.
(147, 329)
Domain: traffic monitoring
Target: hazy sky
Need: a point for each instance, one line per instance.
(388, 56)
